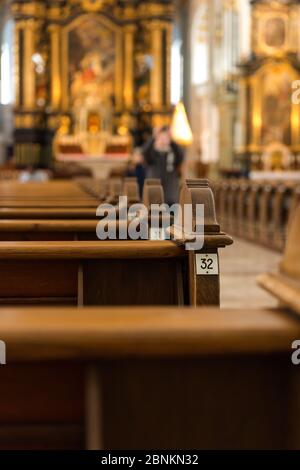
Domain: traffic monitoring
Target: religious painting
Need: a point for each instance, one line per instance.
(91, 64)
(276, 106)
(271, 31)
(274, 32)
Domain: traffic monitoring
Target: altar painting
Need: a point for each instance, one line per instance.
(276, 107)
(91, 64)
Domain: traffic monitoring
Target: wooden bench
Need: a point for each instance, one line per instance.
(285, 285)
(62, 199)
(223, 204)
(65, 228)
(242, 208)
(49, 194)
(294, 203)
(259, 211)
(280, 214)
(53, 200)
(150, 378)
(140, 272)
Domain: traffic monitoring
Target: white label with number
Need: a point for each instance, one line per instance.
(157, 234)
(207, 264)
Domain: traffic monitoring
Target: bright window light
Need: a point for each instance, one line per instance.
(6, 63)
(176, 72)
(199, 46)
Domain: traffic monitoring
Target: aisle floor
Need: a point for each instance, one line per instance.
(240, 264)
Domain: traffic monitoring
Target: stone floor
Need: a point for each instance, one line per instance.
(240, 264)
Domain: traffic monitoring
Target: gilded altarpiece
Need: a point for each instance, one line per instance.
(269, 120)
(92, 76)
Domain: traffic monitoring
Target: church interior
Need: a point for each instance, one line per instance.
(149, 225)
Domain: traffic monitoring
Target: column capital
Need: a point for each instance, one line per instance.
(130, 28)
(159, 25)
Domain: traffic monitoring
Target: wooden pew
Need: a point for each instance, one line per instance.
(294, 203)
(257, 210)
(216, 189)
(253, 211)
(62, 199)
(153, 192)
(223, 204)
(131, 190)
(90, 273)
(77, 229)
(52, 213)
(265, 212)
(280, 215)
(270, 209)
(50, 194)
(53, 200)
(110, 190)
(285, 285)
(47, 229)
(243, 200)
(135, 378)
(232, 206)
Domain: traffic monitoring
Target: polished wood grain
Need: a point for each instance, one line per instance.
(92, 273)
(90, 249)
(154, 281)
(38, 278)
(65, 332)
(50, 195)
(156, 378)
(47, 213)
(41, 225)
(53, 189)
(50, 203)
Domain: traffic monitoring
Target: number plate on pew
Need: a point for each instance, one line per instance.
(207, 264)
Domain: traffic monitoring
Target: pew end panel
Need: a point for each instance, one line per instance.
(131, 190)
(285, 285)
(203, 263)
(153, 192)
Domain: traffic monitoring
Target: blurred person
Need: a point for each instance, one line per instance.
(164, 159)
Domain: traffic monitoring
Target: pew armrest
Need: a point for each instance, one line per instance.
(284, 288)
(211, 240)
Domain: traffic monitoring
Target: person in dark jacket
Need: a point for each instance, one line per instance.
(164, 159)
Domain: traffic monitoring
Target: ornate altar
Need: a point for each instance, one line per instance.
(269, 128)
(90, 76)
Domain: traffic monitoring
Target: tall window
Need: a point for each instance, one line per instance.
(176, 71)
(245, 28)
(6, 64)
(200, 46)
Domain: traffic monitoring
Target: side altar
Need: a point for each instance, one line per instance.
(269, 119)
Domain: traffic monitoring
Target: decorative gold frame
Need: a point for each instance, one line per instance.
(65, 57)
(273, 50)
(262, 16)
(256, 108)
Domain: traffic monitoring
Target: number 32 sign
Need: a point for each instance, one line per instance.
(207, 264)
